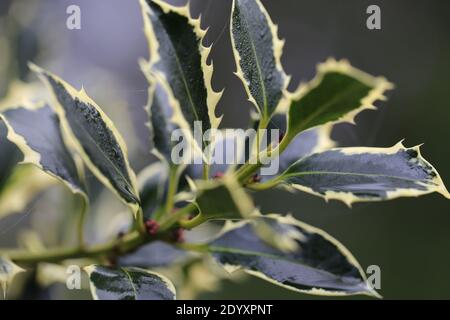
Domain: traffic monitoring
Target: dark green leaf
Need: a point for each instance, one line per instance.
(257, 51)
(319, 264)
(365, 174)
(128, 284)
(36, 132)
(179, 59)
(337, 94)
(95, 137)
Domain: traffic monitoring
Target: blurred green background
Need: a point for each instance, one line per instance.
(407, 238)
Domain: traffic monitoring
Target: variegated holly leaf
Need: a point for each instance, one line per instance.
(257, 51)
(19, 93)
(8, 270)
(364, 174)
(89, 130)
(128, 284)
(179, 60)
(9, 156)
(35, 130)
(308, 142)
(152, 182)
(320, 264)
(160, 125)
(337, 94)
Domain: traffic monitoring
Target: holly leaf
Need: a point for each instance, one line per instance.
(257, 52)
(89, 130)
(152, 182)
(178, 59)
(160, 125)
(18, 94)
(35, 130)
(319, 265)
(364, 174)
(108, 283)
(337, 94)
(9, 156)
(8, 270)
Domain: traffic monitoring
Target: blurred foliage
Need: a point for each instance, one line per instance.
(408, 239)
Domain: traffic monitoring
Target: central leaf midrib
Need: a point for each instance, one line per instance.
(304, 173)
(131, 282)
(104, 155)
(324, 107)
(220, 249)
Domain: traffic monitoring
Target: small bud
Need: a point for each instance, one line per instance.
(218, 175)
(178, 235)
(152, 227)
(256, 178)
(191, 216)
